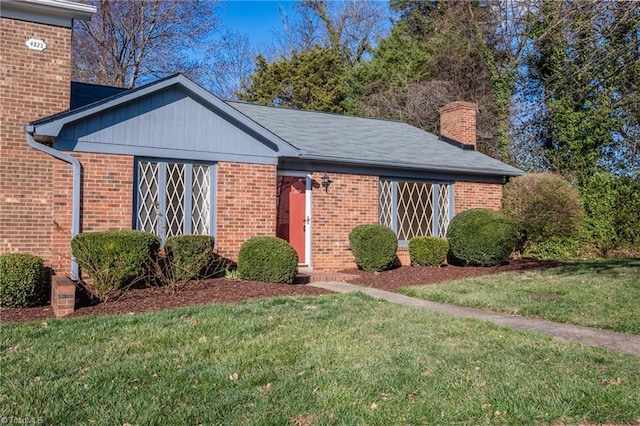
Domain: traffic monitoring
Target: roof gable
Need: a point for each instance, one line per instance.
(171, 118)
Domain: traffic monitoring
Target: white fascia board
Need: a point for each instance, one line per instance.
(51, 12)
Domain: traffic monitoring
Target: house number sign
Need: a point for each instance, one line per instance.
(36, 44)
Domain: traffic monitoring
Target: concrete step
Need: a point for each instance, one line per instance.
(306, 277)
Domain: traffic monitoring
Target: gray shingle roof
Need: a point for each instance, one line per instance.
(370, 141)
(85, 93)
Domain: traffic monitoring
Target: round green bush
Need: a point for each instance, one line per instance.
(189, 256)
(113, 259)
(21, 283)
(268, 259)
(373, 246)
(481, 237)
(428, 251)
(543, 207)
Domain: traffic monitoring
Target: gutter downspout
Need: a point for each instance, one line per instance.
(77, 176)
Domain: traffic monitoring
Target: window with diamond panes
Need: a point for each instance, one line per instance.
(148, 206)
(201, 200)
(386, 204)
(444, 209)
(174, 198)
(414, 209)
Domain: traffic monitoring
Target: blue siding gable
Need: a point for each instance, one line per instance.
(168, 124)
(173, 118)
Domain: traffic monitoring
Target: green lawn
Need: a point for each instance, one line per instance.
(599, 293)
(337, 359)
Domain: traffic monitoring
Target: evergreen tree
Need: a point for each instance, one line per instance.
(314, 79)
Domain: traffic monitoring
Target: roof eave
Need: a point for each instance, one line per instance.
(53, 12)
(417, 167)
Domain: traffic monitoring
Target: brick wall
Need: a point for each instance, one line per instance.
(107, 200)
(33, 84)
(246, 205)
(350, 200)
(469, 195)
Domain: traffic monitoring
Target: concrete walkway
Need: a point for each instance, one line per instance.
(622, 342)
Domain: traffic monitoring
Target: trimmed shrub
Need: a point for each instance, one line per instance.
(268, 259)
(189, 256)
(373, 246)
(481, 237)
(114, 259)
(543, 207)
(21, 281)
(428, 251)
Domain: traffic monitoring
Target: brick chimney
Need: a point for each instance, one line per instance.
(458, 122)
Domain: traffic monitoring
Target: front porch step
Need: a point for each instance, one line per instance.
(306, 277)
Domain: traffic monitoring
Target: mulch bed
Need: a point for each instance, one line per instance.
(416, 275)
(224, 290)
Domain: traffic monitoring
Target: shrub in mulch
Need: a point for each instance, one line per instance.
(373, 246)
(481, 237)
(189, 256)
(428, 251)
(269, 259)
(21, 281)
(114, 259)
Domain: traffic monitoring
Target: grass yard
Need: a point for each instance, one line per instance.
(599, 293)
(337, 359)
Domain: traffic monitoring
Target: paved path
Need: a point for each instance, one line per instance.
(622, 342)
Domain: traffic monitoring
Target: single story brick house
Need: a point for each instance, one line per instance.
(171, 158)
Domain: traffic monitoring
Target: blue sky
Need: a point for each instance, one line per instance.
(258, 19)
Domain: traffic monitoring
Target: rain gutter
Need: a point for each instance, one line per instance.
(77, 176)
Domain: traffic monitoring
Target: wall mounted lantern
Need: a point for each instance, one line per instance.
(325, 181)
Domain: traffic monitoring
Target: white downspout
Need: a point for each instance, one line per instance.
(77, 176)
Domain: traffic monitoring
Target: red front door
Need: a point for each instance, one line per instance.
(291, 213)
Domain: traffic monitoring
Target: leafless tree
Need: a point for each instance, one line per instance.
(128, 41)
(354, 26)
(232, 65)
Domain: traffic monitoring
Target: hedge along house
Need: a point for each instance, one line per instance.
(171, 158)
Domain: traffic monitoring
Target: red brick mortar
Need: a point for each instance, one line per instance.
(350, 200)
(33, 84)
(470, 195)
(246, 205)
(63, 295)
(107, 200)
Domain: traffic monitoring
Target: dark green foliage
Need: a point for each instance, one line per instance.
(373, 246)
(612, 211)
(481, 237)
(189, 256)
(114, 259)
(21, 281)
(554, 248)
(428, 251)
(314, 79)
(432, 56)
(268, 259)
(583, 60)
(543, 206)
